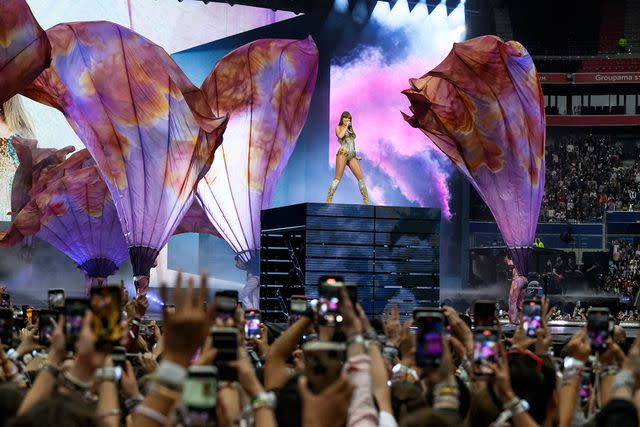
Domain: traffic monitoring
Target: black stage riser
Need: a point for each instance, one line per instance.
(391, 253)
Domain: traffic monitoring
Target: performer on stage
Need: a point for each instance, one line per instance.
(516, 291)
(14, 121)
(346, 155)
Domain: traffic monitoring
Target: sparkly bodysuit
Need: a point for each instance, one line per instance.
(348, 145)
(8, 165)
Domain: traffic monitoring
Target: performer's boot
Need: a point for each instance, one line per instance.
(363, 191)
(332, 190)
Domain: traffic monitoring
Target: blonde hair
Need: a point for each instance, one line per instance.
(17, 118)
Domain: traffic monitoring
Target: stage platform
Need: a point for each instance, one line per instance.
(391, 253)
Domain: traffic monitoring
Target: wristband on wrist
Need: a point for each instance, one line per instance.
(264, 399)
(355, 339)
(152, 414)
(449, 389)
(608, 370)
(171, 375)
(624, 379)
(520, 406)
(110, 413)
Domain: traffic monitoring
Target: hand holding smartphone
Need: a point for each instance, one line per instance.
(74, 311)
(485, 351)
(252, 320)
(430, 327)
(45, 329)
(532, 317)
(226, 341)
(599, 327)
(329, 300)
(105, 304)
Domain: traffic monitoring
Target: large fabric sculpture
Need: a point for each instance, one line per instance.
(34, 162)
(483, 107)
(149, 129)
(24, 48)
(71, 208)
(266, 88)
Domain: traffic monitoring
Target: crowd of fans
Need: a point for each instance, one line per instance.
(586, 175)
(353, 372)
(622, 276)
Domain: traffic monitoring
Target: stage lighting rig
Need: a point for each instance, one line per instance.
(296, 6)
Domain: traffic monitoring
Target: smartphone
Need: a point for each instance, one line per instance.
(252, 319)
(56, 299)
(323, 363)
(74, 311)
(598, 327)
(226, 341)
(119, 356)
(532, 316)
(5, 300)
(329, 300)
(297, 307)
(429, 338)
(6, 326)
(484, 314)
(226, 304)
(46, 325)
(485, 350)
(352, 290)
(199, 395)
(105, 304)
(134, 332)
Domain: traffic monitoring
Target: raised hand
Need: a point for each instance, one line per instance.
(392, 326)
(186, 328)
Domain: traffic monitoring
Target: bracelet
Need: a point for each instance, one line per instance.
(609, 370)
(465, 363)
(78, 385)
(109, 413)
(521, 406)
(446, 389)
(511, 404)
(624, 379)
(264, 399)
(171, 375)
(52, 369)
(132, 402)
(402, 369)
(355, 339)
(152, 414)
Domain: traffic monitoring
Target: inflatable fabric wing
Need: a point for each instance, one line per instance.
(24, 48)
(266, 88)
(483, 107)
(149, 129)
(75, 213)
(196, 221)
(34, 161)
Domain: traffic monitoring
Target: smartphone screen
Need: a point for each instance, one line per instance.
(6, 326)
(252, 323)
(74, 311)
(56, 299)
(531, 317)
(484, 313)
(598, 327)
(226, 341)
(485, 351)
(225, 307)
(105, 304)
(329, 301)
(46, 325)
(429, 339)
(5, 300)
(199, 395)
(119, 356)
(298, 306)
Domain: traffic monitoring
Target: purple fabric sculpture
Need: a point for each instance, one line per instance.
(24, 48)
(266, 88)
(483, 107)
(149, 129)
(71, 208)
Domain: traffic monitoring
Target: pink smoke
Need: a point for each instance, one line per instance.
(370, 90)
